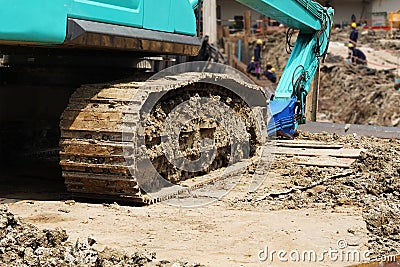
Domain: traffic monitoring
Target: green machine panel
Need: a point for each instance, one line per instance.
(45, 21)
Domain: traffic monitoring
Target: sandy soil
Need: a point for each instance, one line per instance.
(220, 234)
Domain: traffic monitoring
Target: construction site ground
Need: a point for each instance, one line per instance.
(229, 232)
(302, 205)
(297, 207)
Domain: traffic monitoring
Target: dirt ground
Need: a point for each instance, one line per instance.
(325, 207)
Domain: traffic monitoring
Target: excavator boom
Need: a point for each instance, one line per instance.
(314, 24)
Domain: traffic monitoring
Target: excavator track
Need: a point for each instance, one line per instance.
(99, 158)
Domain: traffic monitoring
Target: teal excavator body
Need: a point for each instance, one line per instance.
(43, 21)
(169, 27)
(154, 26)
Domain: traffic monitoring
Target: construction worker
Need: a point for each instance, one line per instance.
(257, 57)
(270, 73)
(354, 34)
(251, 68)
(356, 55)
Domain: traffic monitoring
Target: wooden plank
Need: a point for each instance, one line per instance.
(312, 98)
(220, 33)
(310, 145)
(247, 22)
(226, 32)
(343, 152)
(300, 141)
(325, 161)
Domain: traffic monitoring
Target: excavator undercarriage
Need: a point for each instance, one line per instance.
(102, 126)
(110, 132)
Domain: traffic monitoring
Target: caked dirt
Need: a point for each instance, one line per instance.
(312, 208)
